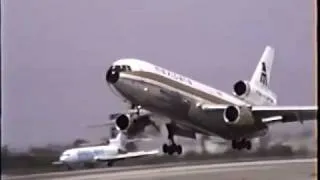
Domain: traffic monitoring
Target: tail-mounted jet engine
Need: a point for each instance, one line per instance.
(238, 115)
(253, 94)
(241, 89)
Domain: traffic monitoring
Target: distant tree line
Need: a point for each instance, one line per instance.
(34, 157)
(41, 158)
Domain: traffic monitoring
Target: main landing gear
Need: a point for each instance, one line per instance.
(240, 144)
(172, 147)
(110, 163)
(65, 167)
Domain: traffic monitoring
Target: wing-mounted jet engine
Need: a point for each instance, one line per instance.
(238, 116)
(133, 122)
(123, 122)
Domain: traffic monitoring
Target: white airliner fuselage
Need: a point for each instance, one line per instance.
(154, 89)
(92, 155)
(198, 107)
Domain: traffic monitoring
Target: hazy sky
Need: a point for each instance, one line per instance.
(56, 53)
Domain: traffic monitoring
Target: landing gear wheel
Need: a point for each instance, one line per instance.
(179, 149)
(110, 163)
(165, 148)
(171, 150)
(248, 145)
(234, 144)
(241, 144)
(172, 147)
(89, 165)
(65, 167)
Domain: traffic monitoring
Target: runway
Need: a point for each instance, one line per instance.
(297, 169)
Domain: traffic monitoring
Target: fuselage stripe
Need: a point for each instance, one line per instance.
(178, 85)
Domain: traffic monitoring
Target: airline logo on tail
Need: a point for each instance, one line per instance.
(263, 77)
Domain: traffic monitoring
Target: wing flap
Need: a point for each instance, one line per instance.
(212, 110)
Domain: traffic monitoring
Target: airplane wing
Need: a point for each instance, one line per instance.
(127, 155)
(272, 114)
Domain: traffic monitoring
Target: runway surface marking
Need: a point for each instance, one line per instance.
(199, 169)
(129, 168)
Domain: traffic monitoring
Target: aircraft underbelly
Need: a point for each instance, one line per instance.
(175, 106)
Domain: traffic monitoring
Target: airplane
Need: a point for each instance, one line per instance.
(91, 156)
(194, 107)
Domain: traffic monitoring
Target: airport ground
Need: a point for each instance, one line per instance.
(42, 164)
(293, 169)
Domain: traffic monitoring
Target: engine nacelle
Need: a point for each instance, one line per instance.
(241, 88)
(254, 94)
(123, 122)
(238, 115)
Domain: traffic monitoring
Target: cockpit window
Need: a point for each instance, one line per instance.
(128, 68)
(122, 68)
(116, 68)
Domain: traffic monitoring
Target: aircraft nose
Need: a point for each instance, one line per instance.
(112, 75)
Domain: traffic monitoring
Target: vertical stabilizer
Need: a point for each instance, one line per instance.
(262, 73)
(120, 140)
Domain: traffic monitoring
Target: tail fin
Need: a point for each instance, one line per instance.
(261, 75)
(120, 140)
